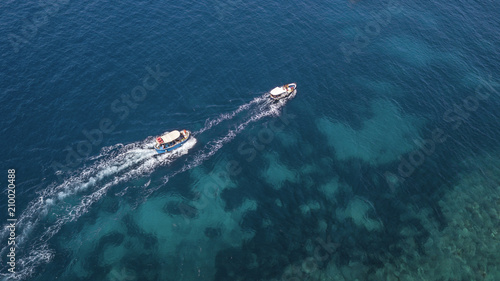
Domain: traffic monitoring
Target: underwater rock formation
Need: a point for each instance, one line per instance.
(466, 248)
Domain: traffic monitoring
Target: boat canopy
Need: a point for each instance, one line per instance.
(169, 137)
(277, 91)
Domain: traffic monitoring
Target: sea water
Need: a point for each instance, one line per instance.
(383, 166)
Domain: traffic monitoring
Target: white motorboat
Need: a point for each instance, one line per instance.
(283, 91)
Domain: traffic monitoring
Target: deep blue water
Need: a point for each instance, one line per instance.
(383, 166)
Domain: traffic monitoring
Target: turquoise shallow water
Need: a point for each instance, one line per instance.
(383, 166)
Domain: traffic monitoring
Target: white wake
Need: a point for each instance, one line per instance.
(115, 164)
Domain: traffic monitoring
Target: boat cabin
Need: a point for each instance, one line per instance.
(169, 139)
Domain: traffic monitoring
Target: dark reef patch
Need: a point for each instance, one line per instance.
(212, 232)
(180, 209)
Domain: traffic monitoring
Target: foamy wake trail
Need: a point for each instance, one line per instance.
(266, 109)
(129, 162)
(114, 165)
(227, 116)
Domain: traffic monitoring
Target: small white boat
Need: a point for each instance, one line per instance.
(283, 91)
(171, 140)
